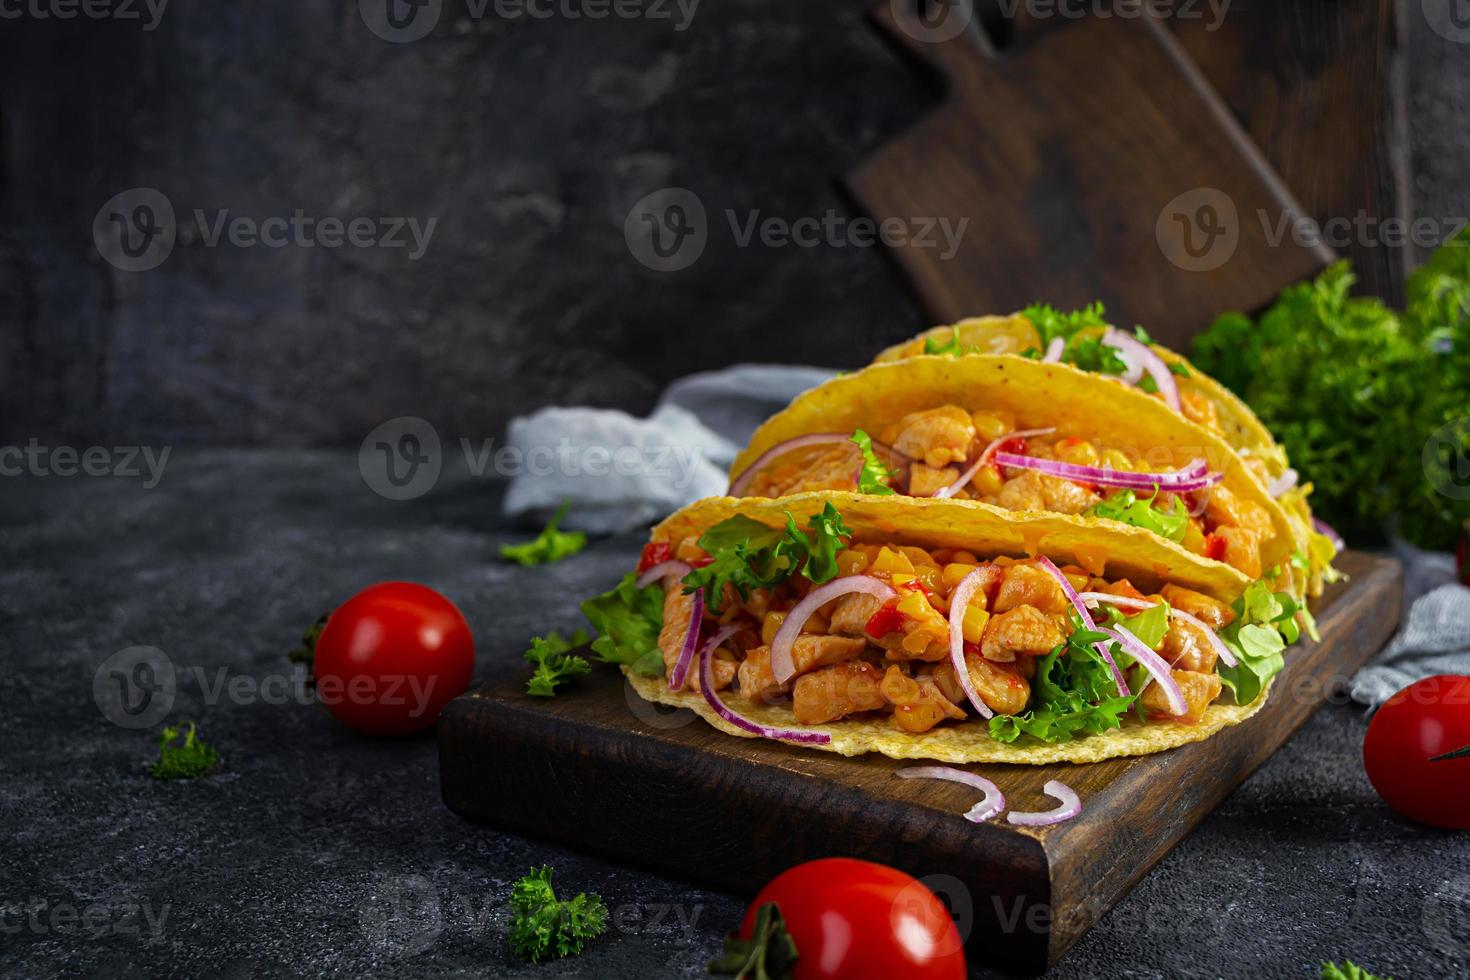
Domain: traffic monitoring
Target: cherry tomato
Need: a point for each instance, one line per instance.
(391, 657)
(654, 553)
(856, 920)
(1428, 718)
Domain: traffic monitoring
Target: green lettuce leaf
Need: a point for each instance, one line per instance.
(1126, 506)
(627, 620)
(874, 476)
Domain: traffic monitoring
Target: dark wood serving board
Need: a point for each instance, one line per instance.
(1093, 162)
(598, 769)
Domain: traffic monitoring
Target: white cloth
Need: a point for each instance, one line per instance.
(622, 472)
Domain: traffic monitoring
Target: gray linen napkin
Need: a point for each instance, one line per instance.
(622, 472)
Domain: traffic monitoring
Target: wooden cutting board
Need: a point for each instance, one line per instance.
(598, 769)
(1095, 162)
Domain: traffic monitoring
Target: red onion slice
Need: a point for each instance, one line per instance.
(1071, 806)
(991, 806)
(707, 688)
(1154, 664)
(739, 483)
(1134, 350)
(1192, 477)
(656, 573)
(959, 600)
(1087, 621)
(1054, 350)
(1324, 528)
(1282, 483)
(995, 444)
(691, 642)
(782, 667)
(1128, 602)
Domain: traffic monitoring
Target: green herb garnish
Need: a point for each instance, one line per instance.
(1348, 971)
(627, 620)
(554, 665)
(1126, 506)
(549, 546)
(186, 758)
(874, 476)
(1265, 624)
(746, 554)
(543, 927)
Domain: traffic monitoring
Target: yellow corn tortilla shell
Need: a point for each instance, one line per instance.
(1076, 402)
(1014, 334)
(1133, 553)
(962, 743)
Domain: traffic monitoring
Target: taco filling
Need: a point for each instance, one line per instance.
(991, 456)
(922, 638)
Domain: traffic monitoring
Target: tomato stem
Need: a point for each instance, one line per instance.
(1459, 753)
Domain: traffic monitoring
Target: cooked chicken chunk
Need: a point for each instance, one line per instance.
(1212, 612)
(827, 467)
(1225, 509)
(807, 654)
(671, 642)
(1242, 549)
(1187, 648)
(1030, 585)
(1023, 630)
(926, 481)
(1199, 409)
(1199, 690)
(1022, 492)
(835, 692)
(851, 613)
(937, 436)
(1002, 687)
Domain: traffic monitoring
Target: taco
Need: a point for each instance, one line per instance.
(1015, 435)
(853, 623)
(1084, 339)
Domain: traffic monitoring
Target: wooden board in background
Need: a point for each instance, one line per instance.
(1090, 163)
(662, 789)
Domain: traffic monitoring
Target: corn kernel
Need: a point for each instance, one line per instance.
(904, 578)
(955, 572)
(1079, 452)
(1078, 580)
(915, 606)
(989, 425)
(1115, 460)
(974, 623)
(916, 641)
(988, 482)
(889, 562)
(1194, 538)
(770, 625)
(851, 562)
(965, 558)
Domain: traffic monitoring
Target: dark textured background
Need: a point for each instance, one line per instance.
(529, 141)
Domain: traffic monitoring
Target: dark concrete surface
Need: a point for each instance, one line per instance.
(317, 852)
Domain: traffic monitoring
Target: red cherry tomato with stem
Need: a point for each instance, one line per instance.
(856, 920)
(391, 657)
(1405, 748)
